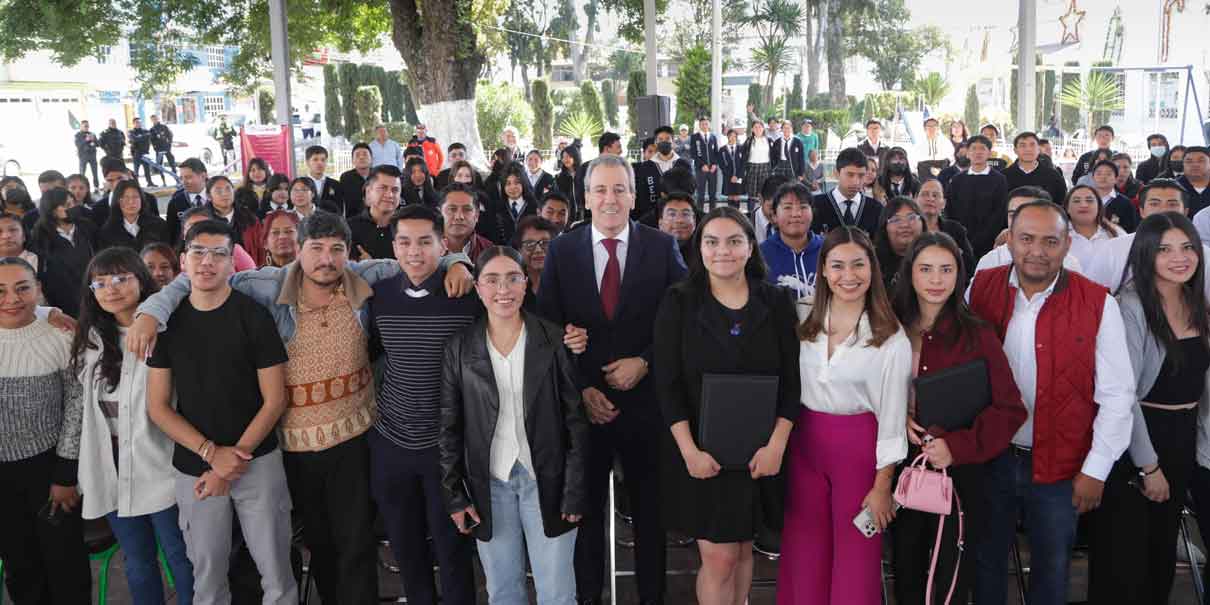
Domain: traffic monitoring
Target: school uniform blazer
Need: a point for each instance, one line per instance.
(827, 216)
(705, 149)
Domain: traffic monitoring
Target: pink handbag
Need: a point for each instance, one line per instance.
(931, 491)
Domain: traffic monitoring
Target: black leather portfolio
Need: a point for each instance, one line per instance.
(738, 412)
(953, 397)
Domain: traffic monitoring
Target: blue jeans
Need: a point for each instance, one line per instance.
(1050, 522)
(517, 523)
(137, 536)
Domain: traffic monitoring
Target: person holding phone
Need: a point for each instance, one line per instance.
(944, 335)
(855, 362)
(1167, 321)
(41, 535)
(513, 439)
(724, 319)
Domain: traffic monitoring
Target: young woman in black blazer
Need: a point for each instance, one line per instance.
(129, 204)
(729, 161)
(723, 319)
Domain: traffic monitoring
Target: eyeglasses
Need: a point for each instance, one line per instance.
(899, 218)
(113, 281)
(672, 214)
(531, 245)
(201, 252)
(511, 280)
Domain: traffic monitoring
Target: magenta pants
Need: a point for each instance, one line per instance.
(825, 560)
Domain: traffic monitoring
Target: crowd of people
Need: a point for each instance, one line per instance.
(466, 356)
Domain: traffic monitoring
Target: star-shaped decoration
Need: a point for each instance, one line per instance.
(1071, 24)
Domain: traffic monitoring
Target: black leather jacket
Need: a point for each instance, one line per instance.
(555, 424)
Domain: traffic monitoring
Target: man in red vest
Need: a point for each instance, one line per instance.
(1066, 345)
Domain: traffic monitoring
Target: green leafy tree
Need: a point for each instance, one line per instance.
(794, 100)
(877, 30)
(629, 14)
(931, 89)
(635, 88)
(348, 90)
(971, 113)
(693, 86)
(591, 101)
(775, 23)
(499, 104)
(333, 113)
(544, 115)
(367, 102)
(264, 106)
(609, 95)
(1096, 96)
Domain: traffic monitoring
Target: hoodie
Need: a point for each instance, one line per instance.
(790, 269)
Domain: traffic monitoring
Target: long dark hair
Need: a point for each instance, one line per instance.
(911, 184)
(754, 269)
(882, 242)
(1141, 265)
(515, 170)
(574, 152)
(263, 165)
(276, 180)
(956, 318)
(111, 261)
(115, 217)
(883, 323)
(47, 225)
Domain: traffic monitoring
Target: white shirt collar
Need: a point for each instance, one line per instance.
(986, 170)
(229, 217)
(840, 198)
(1012, 281)
(131, 228)
(69, 233)
(597, 236)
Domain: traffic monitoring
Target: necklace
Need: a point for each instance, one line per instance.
(323, 321)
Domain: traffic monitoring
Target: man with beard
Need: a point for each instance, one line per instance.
(316, 302)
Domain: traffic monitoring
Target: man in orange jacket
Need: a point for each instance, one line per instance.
(427, 147)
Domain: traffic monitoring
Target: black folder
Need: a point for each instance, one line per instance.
(738, 412)
(953, 397)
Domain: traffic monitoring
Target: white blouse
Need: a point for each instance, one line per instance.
(1085, 248)
(758, 152)
(860, 378)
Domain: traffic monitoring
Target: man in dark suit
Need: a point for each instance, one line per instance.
(327, 189)
(540, 182)
(791, 161)
(191, 195)
(846, 204)
(704, 146)
(604, 284)
(353, 182)
(872, 146)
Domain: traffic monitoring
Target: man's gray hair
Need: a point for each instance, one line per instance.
(608, 159)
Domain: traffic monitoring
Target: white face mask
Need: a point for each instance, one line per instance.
(1158, 151)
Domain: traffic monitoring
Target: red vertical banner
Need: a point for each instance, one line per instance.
(269, 143)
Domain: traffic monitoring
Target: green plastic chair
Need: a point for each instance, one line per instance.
(106, 557)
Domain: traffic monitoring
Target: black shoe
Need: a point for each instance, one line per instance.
(588, 602)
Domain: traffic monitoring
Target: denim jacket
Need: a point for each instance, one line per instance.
(277, 289)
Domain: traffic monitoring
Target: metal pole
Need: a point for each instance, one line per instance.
(716, 69)
(649, 17)
(1027, 41)
(280, 50)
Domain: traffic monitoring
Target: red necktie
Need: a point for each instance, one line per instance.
(611, 281)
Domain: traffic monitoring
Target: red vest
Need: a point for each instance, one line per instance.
(1066, 343)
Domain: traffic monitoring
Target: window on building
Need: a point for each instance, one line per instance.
(216, 57)
(562, 73)
(105, 55)
(214, 105)
(188, 113)
(1164, 93)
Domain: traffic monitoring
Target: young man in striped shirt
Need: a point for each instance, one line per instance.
(410, 318)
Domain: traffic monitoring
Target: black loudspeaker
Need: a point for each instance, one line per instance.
(654, 111)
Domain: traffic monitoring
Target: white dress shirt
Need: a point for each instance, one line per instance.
(758, 152)
(319, 185)
(600, 255)
(1114, 378)
(68, 234)
(196, 199)
(131, 228)
(534, 177)
(762, 227)
(1109, 263)
(510, 444)
(1201, 222)
(1085, 249)
(665, 165)
(859, 379)
(986, 170)
(840, 201)
(935, 149)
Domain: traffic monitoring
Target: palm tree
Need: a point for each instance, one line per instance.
(1094, 95)
(932, 89)
(775, 22)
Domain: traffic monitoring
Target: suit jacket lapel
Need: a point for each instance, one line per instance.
(630, 273)
(587, 273)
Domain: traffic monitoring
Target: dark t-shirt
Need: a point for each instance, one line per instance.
(214, 357)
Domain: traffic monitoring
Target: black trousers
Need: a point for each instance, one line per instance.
(634, 436)
(90, 162)
(707, 188)
(331, 492)
(1132, 539)
(44, 563)
(407, 487)
(914, 533)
